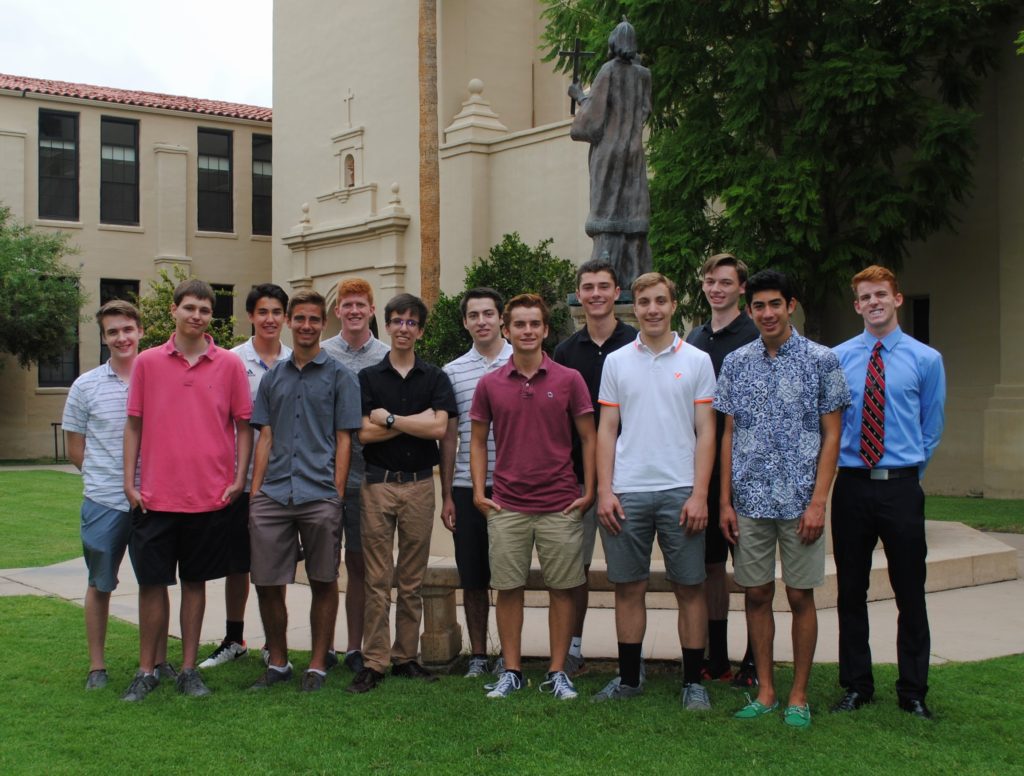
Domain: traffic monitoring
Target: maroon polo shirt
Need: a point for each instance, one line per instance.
(533, 421)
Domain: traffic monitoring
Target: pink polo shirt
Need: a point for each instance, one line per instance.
(532, 422)
(188, 429)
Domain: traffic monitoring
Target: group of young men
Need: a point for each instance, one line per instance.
(732, 441)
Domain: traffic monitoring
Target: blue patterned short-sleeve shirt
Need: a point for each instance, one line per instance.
(776, 405)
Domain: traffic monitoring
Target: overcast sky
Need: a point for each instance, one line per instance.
(215, 49)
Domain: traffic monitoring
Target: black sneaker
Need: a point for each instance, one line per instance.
(312, 681)
(412, 670)
(164, 671)
(141, 686)
(272, 676)
(746, 677)
(365, 680)
(354, 661)
(97, 679)
(331, 660)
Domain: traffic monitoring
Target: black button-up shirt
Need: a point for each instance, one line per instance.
(425, 387)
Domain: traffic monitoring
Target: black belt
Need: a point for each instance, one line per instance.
(880, 474)
(376, 474)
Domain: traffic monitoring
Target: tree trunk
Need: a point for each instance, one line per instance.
(430, 192)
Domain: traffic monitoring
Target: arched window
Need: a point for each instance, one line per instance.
(350, 171)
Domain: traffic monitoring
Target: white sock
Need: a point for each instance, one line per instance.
(280, 669)
(576, 646)
(317, 671)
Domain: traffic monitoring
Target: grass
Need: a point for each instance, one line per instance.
(39, 518)
(984, 514)
(52, 726)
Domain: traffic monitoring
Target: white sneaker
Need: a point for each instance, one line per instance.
(225, 653)
(559, 685)
(477, 667)
(507, 684)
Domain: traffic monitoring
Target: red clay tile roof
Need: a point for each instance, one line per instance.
(131, 97)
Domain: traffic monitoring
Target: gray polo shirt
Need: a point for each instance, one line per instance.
(304, 407)
(356, 359)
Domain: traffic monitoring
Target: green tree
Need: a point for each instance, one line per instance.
(40, 296)
(511, 267)
(813, 137)
(155, 309)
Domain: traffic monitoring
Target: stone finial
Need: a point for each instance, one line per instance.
(394, 206)
(476, 120)
(395, 200)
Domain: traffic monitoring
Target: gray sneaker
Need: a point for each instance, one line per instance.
(312, 681)
(141, 686)
(97, 679)
(559, 685)
(477, 667)
(271, 677)
(165, 671)
(507, 684)
(615, 690)
(499, 666)
(695, 698)
(574, 666)
(190, 683)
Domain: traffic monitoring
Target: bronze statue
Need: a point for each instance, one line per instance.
(611, 118)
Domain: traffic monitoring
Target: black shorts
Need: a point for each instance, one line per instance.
(471, 550)
(194, 544)
(716, 548)
(238, 540)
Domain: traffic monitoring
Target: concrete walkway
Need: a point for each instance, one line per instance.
(970, 623)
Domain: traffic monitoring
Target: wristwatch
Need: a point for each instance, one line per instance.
(389, 421)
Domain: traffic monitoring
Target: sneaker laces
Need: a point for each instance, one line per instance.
(506, 682)
(557, 684)
(699, 693)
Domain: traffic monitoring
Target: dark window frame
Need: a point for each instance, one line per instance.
(262, 185)
(215, 189)
(224, 301)
(113, 192)
(58, 196)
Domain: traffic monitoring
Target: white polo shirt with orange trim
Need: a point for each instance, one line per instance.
(655, 394)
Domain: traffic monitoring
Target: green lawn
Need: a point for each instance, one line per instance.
(50, 725)
(39, 518)
(981, 513)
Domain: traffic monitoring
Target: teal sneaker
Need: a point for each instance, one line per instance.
(797, 716)
(754, 709)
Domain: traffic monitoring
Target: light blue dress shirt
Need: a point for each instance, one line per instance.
(915, 398)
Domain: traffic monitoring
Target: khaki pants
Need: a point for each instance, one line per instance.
(409, 508)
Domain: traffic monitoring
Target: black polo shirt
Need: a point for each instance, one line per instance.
(581, 353)
(718, 345)
(425, 387)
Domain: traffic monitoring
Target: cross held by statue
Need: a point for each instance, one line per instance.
(575, 55)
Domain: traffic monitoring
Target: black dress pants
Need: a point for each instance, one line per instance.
(864, 511)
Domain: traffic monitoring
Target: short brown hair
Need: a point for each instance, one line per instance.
(307, 296)
(526, 300)
(875, 274)
(725, 260)
(648, 279)
(354, 287)
(118, 307)
(200, 289)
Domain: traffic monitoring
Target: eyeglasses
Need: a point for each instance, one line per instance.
(398, 323)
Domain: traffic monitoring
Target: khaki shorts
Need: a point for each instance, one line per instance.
(559, 540)
(274, 531)
(803, 565)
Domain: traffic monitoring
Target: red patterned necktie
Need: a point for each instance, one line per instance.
(872, 425)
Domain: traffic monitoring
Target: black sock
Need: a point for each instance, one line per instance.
(629, 664)
(692, 660)
(748, 657)
(517, 673)
(718, 646)
(235, 630)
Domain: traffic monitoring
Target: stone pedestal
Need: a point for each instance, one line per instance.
(441, 641)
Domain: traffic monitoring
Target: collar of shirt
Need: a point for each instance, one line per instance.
(319, 359)
(385, 365)
(790, 344)
(889, 341)
(361, 349)
(171, 347)
(108, 372)
(248, 353)
(677, 343)
(505, 353)
(584, 333)
(731, 327)
(511, 371)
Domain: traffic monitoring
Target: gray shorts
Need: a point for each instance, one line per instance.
(803, 565)
(629, 553)
(351, 520)
(274, 531)
(104, 539)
